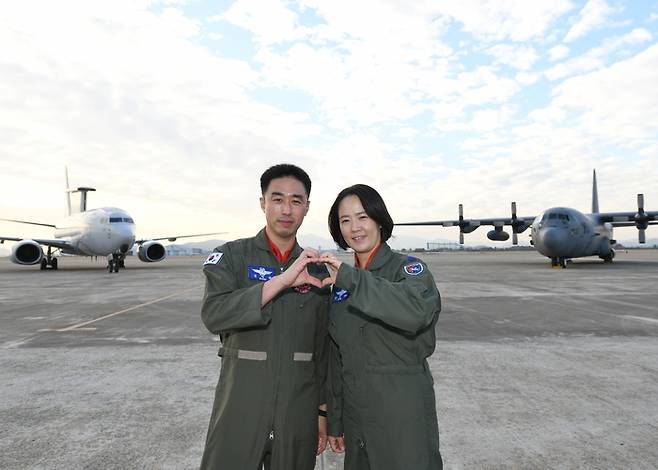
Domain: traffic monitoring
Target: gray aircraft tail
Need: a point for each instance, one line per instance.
(83, 196)
(595, 196)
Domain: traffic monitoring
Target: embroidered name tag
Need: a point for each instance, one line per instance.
(339, 296)
(260, 273)
(213, 258)
(304, 288)
(413, 269)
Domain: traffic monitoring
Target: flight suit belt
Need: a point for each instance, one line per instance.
(390, 369)
(260, 355)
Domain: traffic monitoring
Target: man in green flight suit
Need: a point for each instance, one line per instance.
(271, 316)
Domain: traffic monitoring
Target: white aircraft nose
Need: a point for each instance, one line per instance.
(554, 240)
(124, 237)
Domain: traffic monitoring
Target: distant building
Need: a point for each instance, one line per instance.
(443, 246)
(183, 250)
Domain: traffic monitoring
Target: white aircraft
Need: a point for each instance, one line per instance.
(561, 233)
(106, 231)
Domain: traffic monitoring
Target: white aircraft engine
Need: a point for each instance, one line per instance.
(26, 252)
(151, 251)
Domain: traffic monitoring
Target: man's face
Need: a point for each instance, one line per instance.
(285, 204)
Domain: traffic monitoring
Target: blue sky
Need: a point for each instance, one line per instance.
(172, 109)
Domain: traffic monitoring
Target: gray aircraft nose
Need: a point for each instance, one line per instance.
(554, 240)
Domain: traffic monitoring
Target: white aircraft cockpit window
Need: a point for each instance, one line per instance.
(129, 220)
(114, 220)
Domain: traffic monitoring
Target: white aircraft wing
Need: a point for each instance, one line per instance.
(63, 245)
(173, 238)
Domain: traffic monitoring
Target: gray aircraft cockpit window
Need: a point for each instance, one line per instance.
(556, 215)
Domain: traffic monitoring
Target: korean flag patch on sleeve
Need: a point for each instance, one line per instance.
(213, 258)
(413, 269)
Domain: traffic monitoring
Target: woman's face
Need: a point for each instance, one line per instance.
(361, 233)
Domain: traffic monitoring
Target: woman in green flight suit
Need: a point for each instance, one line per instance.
(383, 314)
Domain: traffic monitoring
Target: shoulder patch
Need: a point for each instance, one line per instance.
(213, 258)
(413, 269)
(339, 296)
(260, 273)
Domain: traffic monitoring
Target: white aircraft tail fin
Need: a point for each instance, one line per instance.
(82, 206)
(595, 195)
(68, 193)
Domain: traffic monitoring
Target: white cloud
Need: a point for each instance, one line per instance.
(383, 91)
(519, 57)
(618, 103)
(270, 20)
(596, 57)
(491, 20)
(558, 52)
(490, 119)
(593, 15)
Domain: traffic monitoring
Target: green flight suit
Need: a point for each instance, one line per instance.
(274, 361)
(381, 392)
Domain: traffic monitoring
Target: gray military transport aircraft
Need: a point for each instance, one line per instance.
(106, 231)
(561, 233)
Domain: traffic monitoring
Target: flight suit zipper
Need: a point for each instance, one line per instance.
(277, 348)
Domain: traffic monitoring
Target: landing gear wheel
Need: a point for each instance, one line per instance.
(53, 263)
(112, 266)
(44, 264)
(558, 263)
(122, 263)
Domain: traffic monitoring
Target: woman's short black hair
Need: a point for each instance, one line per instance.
(372, 203)
(285, 169)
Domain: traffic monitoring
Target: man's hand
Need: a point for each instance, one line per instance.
(337, 444)
(297, 274)
(294, 276)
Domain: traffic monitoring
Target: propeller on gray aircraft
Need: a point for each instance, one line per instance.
(641, 219)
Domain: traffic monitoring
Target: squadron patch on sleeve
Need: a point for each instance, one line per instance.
(213, 258)
(339, 296)
(259, 273)
(413, 269)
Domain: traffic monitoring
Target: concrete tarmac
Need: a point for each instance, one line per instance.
(534, 368)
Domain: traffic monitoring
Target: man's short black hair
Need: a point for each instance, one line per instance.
(281, 170)
(372, 203)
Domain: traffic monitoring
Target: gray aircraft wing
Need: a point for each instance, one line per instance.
(640, 219)
(518, 224)
(173, 238)
(64, 245)
(627, 219)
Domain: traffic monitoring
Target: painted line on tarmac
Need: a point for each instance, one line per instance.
(125, 310)
(651, 320)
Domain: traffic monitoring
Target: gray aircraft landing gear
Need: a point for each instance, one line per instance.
(114, 263)
(609, 257)
(559, 262)
(49, 261)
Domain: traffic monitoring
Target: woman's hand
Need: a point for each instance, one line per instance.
(337, 444)
(322, 434)
(333, 264)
